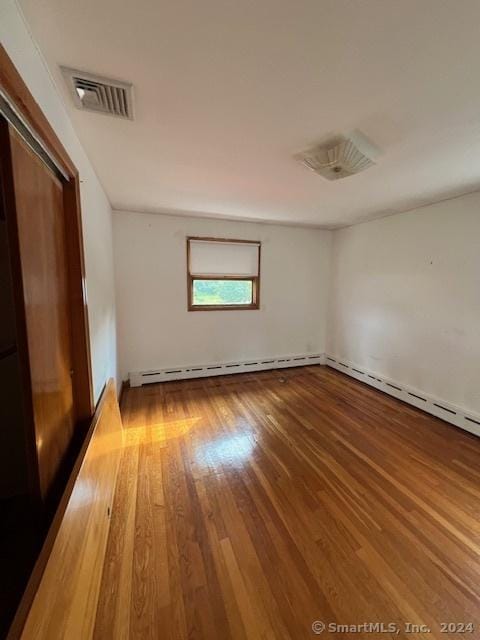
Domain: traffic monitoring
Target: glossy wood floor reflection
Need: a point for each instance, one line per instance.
(250, 506)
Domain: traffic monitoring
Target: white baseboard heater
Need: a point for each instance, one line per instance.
(138, 378)
(444, 410)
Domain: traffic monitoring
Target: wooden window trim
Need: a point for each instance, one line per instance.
(255, 280)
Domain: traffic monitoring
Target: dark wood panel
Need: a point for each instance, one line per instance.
(13, 446)
(81, 357)
(7, 309)
(18, 525)
(42, 249)
(20, 329)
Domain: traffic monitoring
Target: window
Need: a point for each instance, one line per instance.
(223, 274)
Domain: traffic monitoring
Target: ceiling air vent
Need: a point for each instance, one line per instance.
(102, 95)
(340, 157)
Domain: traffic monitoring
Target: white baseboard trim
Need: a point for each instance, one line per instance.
(439, 408)
(138, 378)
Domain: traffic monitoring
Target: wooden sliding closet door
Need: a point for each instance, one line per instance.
(37, 196)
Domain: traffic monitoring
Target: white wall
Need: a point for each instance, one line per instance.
(154, 327)
(405, 299)
(96, 211)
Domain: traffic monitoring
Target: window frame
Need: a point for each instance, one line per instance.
(255, 280)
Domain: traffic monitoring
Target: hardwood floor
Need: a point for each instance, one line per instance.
(250, 506)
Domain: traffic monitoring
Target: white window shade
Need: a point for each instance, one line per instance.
(209, 258)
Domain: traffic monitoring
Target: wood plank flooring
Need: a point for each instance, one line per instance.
(250, 506)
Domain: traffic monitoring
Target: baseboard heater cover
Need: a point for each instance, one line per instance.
(444, 410)
(138, 378)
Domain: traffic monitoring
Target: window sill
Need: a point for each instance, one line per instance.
(228, 307)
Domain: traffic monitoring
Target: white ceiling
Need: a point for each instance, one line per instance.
(227, 91)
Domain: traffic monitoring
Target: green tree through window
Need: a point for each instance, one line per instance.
(222, 292)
